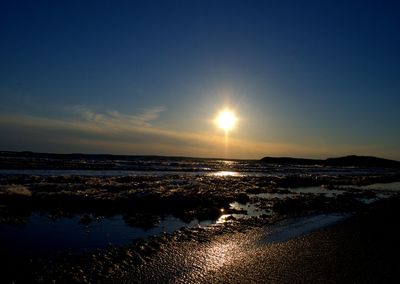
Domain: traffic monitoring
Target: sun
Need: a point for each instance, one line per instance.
(226, 120)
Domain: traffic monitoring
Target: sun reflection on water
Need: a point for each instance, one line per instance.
(228, 163)
(226, 174)
(224, 218)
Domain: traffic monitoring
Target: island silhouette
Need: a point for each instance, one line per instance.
(346, 161)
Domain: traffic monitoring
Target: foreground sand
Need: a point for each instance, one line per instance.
(359, 249)
(362, 249)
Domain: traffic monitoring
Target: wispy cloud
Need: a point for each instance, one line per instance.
(143, 118)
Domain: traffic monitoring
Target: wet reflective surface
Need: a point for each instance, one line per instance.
(257, 255)
(226, 174)
(49, 211)
(40, 235)
(31, 232)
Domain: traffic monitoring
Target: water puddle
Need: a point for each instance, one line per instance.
(382, 190)
(393, 186)
(41, 235)
(249, 210)
(316, 190)
(270, 196)
(293, 192)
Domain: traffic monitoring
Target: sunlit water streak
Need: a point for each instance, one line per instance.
(227, 174)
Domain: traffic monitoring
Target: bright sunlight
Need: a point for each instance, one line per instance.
(226, 120)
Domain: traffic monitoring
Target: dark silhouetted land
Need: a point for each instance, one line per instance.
(347, 161)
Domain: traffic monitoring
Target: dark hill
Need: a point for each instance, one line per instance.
(362, 161)
(347, 161)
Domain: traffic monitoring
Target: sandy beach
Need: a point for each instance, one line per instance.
(361, 249)
(344, 249)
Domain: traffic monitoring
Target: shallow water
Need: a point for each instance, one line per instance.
(393, 186)
(40, 235)
(47, 235)
(93, 166)
(316, 190)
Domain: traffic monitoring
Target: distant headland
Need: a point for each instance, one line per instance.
(347, 161)
(27, 159)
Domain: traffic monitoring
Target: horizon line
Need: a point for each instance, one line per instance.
(190, 157)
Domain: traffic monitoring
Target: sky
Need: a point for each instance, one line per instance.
(304, 78)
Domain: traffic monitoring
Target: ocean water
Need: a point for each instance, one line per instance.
(94, 166)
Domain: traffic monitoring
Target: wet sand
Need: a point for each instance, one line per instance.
(362, 249)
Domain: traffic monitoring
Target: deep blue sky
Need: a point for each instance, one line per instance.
(306, 78)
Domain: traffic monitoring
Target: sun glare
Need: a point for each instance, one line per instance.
(226, 120)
